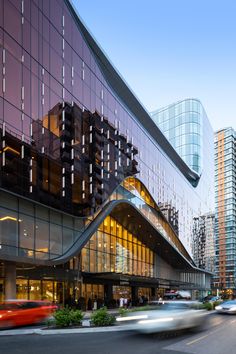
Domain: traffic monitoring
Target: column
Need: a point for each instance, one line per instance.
(10, 280)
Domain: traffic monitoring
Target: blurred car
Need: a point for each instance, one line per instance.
(177, 295)
(15, 313)
(227, 307)
(212, 299)
(172, 316)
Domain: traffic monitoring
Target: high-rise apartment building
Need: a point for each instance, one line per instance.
(225, 199)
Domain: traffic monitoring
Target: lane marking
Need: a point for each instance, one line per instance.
(233, 321)
(196, 340)
(206, 335)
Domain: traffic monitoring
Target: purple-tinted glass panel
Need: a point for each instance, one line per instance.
(54, 99)
(40, 58)
(46, 28)
(55, 86)
(12, 21)
(68, 53)
(26, 126)
(16, 4)
(68, 77)
(77, 63)
(46, 55)
(77, 88)
(26, 35)
(77, 40)
(34, 44)
(55, 65)
(26, 84)
(34, 67)
(13, 80)
(86, 54)
(68, 26)
(34, 97)
(46, 107)
(86, 96)
(34, 16)
(1, 109)
(1, 13)
(56, 40)
(27, 6)
(46, 8)
(12, 46)
(12, 117)
(56, 14)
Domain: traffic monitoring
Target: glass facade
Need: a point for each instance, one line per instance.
(113, 249)
(182, 123)
(74, 142)
(204, 242)
(225, 195)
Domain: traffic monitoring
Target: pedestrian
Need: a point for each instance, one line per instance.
(95, 304)
(121, 301)
(89, 304)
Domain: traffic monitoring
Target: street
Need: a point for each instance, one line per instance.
(217, 338)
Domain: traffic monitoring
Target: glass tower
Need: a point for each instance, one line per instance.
(182, 124)
(225, 199)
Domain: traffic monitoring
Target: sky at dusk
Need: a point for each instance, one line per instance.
(168, 50)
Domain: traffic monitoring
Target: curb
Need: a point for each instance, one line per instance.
(42, 332)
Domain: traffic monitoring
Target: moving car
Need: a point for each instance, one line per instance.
(15, 313)
(212, 299)
(227, 307)
(172, 316)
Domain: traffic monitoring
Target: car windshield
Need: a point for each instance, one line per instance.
(9, 307)
(233, 302)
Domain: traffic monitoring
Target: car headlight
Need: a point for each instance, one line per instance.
(128, 318)
(156, 320)
(218, 307)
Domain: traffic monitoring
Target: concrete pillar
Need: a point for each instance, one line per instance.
(10, 280)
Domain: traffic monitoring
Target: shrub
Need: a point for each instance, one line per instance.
(62, 317)
(208, 306)
(216, 303)
(76, 317)
(123, 312)
(101, 317)
(67, 317)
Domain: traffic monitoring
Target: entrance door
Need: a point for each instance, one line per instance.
(120, 291)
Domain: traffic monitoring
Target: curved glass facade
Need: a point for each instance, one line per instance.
(182, 123)
(74, 140)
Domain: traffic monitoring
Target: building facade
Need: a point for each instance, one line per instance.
(225, 162)
(186, 126)
(85, 172)
(204, 242)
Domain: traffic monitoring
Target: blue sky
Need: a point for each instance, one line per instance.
(168, 50)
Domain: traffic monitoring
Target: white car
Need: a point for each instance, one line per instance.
(227, 307)
(172, 316)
